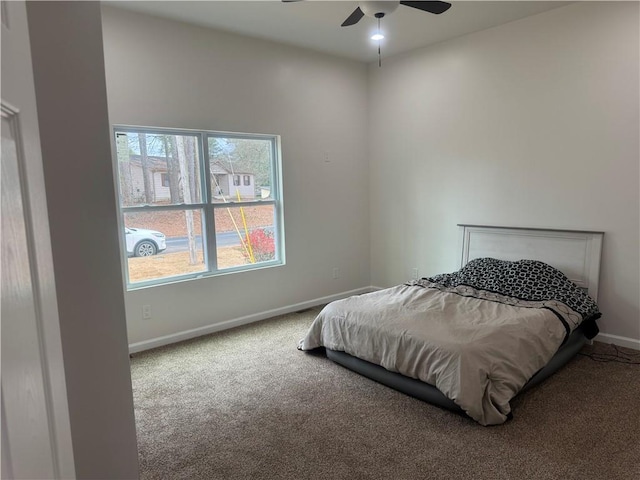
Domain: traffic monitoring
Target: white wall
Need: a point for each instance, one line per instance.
(533, 123)
(68, 67)
(168, 74)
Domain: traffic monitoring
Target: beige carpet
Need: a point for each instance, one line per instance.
(245, 404)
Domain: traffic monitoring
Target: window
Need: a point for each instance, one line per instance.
(164, 178)
(183, 210)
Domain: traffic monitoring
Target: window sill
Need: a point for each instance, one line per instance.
(200, 276)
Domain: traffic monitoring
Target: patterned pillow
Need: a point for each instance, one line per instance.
(525, 279)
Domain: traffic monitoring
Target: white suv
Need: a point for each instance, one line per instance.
(144, 243)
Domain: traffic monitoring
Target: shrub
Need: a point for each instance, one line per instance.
(263, 245)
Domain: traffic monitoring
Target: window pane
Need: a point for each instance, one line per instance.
(163, 244)
(245, 235)
(157, 169)
(232, 159)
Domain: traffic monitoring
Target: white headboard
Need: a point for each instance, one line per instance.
(575, 253)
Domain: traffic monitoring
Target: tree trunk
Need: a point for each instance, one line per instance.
(124, 170)
(186, 192)
(144, 161)
(173, 171)
(190, 153)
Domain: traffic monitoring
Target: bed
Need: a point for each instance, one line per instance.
(520, 307)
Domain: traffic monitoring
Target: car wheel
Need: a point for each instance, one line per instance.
(145, 249)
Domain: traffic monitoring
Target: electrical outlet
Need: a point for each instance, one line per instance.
(414, 273)
(146, 312)
(336, 273)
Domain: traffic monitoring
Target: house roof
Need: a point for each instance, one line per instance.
(159, 164)
(156, 164)
(219, 168)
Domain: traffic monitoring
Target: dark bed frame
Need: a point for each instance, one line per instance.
(552, 246)
(429, 393)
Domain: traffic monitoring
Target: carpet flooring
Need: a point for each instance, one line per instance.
(245, 404)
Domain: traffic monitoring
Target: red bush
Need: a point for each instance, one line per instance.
(262, 244)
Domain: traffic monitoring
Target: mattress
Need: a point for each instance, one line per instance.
(429, 393)
(479, 336)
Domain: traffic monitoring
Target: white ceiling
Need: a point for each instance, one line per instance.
(316, 24)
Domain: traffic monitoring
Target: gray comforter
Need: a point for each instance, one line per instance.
(478, 347)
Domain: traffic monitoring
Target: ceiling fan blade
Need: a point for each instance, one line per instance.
(431, 7)
(353, 18)
(289, 1)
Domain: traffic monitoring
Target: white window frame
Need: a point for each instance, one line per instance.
(206, 206)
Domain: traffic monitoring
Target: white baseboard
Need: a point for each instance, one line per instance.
(236, 322)
(197, 332)
(620, 341)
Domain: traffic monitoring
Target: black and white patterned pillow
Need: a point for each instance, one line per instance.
(524, 279)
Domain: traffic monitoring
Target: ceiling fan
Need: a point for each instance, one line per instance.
(378, 9)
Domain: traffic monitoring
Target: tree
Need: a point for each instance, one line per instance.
(244, 155)
(192, 161)
(144, 162)
(252, 156)
(124, 169)
(181, 151)
(173, 170)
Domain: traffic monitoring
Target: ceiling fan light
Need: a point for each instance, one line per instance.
(377, 8)
(377, 36)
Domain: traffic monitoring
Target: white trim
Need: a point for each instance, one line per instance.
(236, 322)
(12, 115)
(41, 275)
(617, 340)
